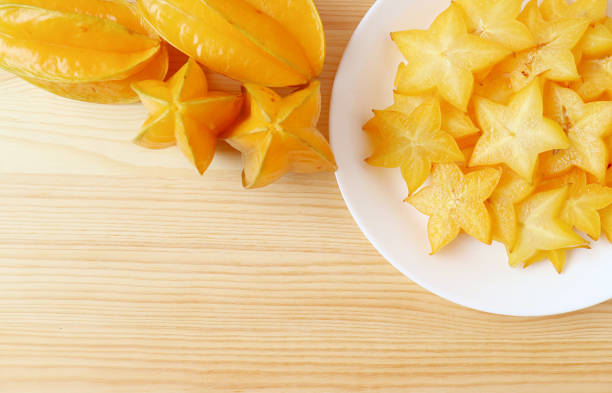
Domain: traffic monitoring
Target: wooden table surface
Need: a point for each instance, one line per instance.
(123, 271)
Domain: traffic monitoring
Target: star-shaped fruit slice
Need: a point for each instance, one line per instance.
(455, 202)
(541, 227)
(444, 58)
(586, 125)
(596, 78)
(597, 40)
(593, 10)
(457, 123)
(551, 57)
(279, 135)
(183, 112)
(411, 142)
(511, 190)
(584, 201)
(495, 20)
(556, 257)
(606, 222)
(517, 133)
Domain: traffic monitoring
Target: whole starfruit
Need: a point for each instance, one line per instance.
(89, 50)
(270, 43)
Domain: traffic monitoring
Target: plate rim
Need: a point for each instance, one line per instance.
(579, 305)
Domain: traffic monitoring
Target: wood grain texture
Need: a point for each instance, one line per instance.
(121, 270)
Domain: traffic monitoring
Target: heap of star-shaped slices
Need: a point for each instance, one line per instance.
(509, 110)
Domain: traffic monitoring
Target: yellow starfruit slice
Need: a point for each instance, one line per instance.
(592, 10)
(183, 111)
(517, 133)
(606, 222)
(40, 42)
(455, 202)
(556, 257)
(458, 124)
(597, 40)
(273, 43)
(596, 78)
(279, 135)
(584, 201)
(411, 142)
(444, 58)
(511, 190)
(552, 56)
(586, 125)
(113, 91)
(496, 20)
(541, 227)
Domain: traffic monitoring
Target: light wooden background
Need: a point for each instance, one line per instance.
(123, 271)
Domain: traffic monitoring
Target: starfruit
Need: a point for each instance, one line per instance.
(596, 78)
(597, 40)
(444, 58)
(73, 42)
(584, 201)
(556, 257)
(272, 43)
(411, 142)
(586, 125)
(516, 134)
(278, 135)
(541, 227)
(606, 222)
(496, 20)
(551, 57)
(455, 202)
(113, 91)
(511, 190)
(184, 112)
(457, 123)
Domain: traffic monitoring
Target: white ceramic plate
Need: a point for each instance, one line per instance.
(466, 272)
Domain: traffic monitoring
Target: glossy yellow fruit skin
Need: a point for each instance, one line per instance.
(72, 43)
(278, 135)
(271, 43)
(184, 112)
(109, 92)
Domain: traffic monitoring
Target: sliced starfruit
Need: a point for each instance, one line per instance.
(279, 135)
(556, 257)
(458, 124)
(606, 222)
(552, 56)
(411, 142)
(455, 202)
(541, 227)
(592, 10)
(516, 134)
(72, 44)
(109, 92)
(272, 43)
(586, 125)
(496, 20)
(444, 58)
(584, 201)
(511, 190)
(597, 40)
(596, 78)
(183, 111)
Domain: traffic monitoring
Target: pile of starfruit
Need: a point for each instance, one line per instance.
(116, 52)
(507, 111)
